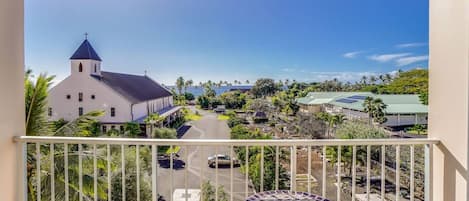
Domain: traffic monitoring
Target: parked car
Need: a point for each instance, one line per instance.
(220, 109)
(223, 160)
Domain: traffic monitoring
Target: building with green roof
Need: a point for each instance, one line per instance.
(401, 110)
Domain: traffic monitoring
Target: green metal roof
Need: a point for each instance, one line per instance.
(396, 103)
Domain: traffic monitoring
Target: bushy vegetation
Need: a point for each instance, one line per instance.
(210, 192)
(241, 132)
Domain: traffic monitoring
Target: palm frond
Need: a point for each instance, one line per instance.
(80, 126)
(36, 103)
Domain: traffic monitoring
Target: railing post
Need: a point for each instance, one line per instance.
(293, 169)
(12, 101)
(428, 172)
(23, 176)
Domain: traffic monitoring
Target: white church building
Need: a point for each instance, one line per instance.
(123, 97)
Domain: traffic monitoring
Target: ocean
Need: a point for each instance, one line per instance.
(198, 91)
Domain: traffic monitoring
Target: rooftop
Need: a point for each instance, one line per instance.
(136, 88)
(396, 103)
(85, 51)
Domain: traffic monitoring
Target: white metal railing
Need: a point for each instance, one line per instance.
(278, 149)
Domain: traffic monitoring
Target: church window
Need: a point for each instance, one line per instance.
(80, 97)
(80, 68)
(95, 68)
(113, 112)
(93, 97)
(80, 111)
(68, 96)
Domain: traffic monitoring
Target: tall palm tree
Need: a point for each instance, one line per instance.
(364, 79)
(180, 84)
(373, 79)
(188, 84)
(388, 77)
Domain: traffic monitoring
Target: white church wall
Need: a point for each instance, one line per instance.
(105, 99)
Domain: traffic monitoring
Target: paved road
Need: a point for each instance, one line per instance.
(197, 170)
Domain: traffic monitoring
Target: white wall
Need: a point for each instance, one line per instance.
(140, 109)
(105, 98)
(448, 98)
(88, 67)
(12, 97)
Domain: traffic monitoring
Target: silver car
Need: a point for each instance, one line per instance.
(223, 160)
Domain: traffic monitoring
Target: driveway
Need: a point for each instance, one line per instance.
(197, 170)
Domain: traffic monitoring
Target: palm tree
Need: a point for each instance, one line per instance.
(375, 109)
(388, 77)
(372, 80)
(364, 79)
(35, 103)
(188, 84)
(36, 123)
(180, 84)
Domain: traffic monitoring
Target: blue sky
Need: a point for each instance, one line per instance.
(305, 40)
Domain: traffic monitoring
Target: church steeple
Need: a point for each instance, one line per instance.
(85, 51)
(85, 60)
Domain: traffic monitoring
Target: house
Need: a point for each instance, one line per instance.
(402, 109)
(123, 97)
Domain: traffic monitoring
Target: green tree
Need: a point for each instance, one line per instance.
(164, 133)
(36, 104)
(188, 84)
(375, 108)
(153, 120)
(180, 84)
(424, 97)
(264, 87)
(36, 123)
(355, 130)
(203, 101)
(132, 129)
(209, 92)
(410, 82)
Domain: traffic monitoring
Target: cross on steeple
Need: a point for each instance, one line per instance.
(86, 35)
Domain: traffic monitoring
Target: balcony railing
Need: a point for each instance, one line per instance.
(74, 168)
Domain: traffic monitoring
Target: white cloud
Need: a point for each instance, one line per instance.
(351, 55)
(410, 60)
(408, 45)
(387, 57)
(288, 69)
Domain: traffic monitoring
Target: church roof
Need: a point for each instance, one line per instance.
(136, 88)
(85, 51)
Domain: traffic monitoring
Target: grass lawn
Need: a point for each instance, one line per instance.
(192, 117)
(416, 133)
(223, 117)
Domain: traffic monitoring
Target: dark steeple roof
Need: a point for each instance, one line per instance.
(135, 88)
(85, 51)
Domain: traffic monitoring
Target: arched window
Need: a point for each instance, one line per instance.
(80, 68)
